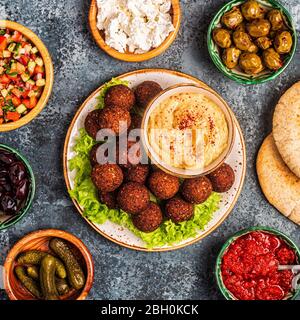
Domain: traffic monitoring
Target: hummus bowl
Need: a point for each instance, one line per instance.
(166, 124)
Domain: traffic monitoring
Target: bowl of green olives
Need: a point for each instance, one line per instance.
(252, 41)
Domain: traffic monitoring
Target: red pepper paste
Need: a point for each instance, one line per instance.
(250, 267)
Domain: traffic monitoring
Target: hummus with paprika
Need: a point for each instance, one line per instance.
(188, 131)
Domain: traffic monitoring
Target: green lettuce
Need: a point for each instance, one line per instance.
(85, 193)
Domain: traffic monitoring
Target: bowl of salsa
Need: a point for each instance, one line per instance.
(26, 75)
(247, 267)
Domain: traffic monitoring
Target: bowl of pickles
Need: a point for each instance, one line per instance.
(252, 41)
(48, 265)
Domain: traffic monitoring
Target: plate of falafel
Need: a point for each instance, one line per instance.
(133, 203)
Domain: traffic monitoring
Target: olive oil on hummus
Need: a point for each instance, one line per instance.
(188, 131)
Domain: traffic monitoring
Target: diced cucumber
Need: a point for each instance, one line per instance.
(4, 93)
(13, 67)
(6, 54)
(40, 83)
(25, 77)
(28, 48)
(21, 108)
(31, 93)
(39, 61)
(11, 47)
(31, 82)
(31, 66)
(34, 50)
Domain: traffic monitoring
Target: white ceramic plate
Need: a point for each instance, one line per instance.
(121, 235)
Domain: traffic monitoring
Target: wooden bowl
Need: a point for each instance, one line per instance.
(132, 57)
(39, 240)
(49, 76)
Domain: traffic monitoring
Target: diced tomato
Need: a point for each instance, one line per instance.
(4, 79)
(3, 43)
(1, 120)
(16, 92)
(26, 103)
(13, 116)
(24, 43)
(1, 112)
(17, 36)
(39, 69)
(33, 56)
(33, 102)
(24, 60)
(16, 101)
(25, 93)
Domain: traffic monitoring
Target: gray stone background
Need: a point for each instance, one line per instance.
(80, 68)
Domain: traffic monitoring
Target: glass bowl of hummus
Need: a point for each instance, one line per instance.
(188, 130)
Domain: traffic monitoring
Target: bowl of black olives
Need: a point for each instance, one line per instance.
(252, 41)
(17, 186)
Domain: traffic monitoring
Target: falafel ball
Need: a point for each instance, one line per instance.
(133, 198)
(149, 219)
(115, 118)
(109, 199)
(146, 91)
(91, 124)
(179, 210)
(93, 154)
(196, 190)
(136, 121)
(107, 177)
(223, 178)
(138, 173)
(163, 185)
(119, 96)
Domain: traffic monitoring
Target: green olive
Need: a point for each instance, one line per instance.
(241, 27)
(232, 18)
(251, 63)
(276, 19)
(283, 42)
(259, 28)
(242, 40)
(264, 43)
(222, 37)
(230, 57)
(253, 48)
(252, 10)
(272, 59)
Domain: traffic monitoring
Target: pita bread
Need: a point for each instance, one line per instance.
(280, 186)
(286, 128)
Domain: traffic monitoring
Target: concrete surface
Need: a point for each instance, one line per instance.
(81, 67)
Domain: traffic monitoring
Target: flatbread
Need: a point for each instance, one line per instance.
(286, 128)
(279, 184)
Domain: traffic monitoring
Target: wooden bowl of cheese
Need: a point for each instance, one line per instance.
(128, 54)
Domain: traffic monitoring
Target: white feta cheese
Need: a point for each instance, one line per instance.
(136, 26)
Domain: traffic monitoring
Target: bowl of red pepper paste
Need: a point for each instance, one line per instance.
(247, 266)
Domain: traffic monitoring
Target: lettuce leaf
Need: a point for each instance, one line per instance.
(85, 194)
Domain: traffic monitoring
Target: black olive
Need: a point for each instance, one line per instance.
(5, 186)
(8, 204)
(6, 157)
(17, 172)
(22, 190)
